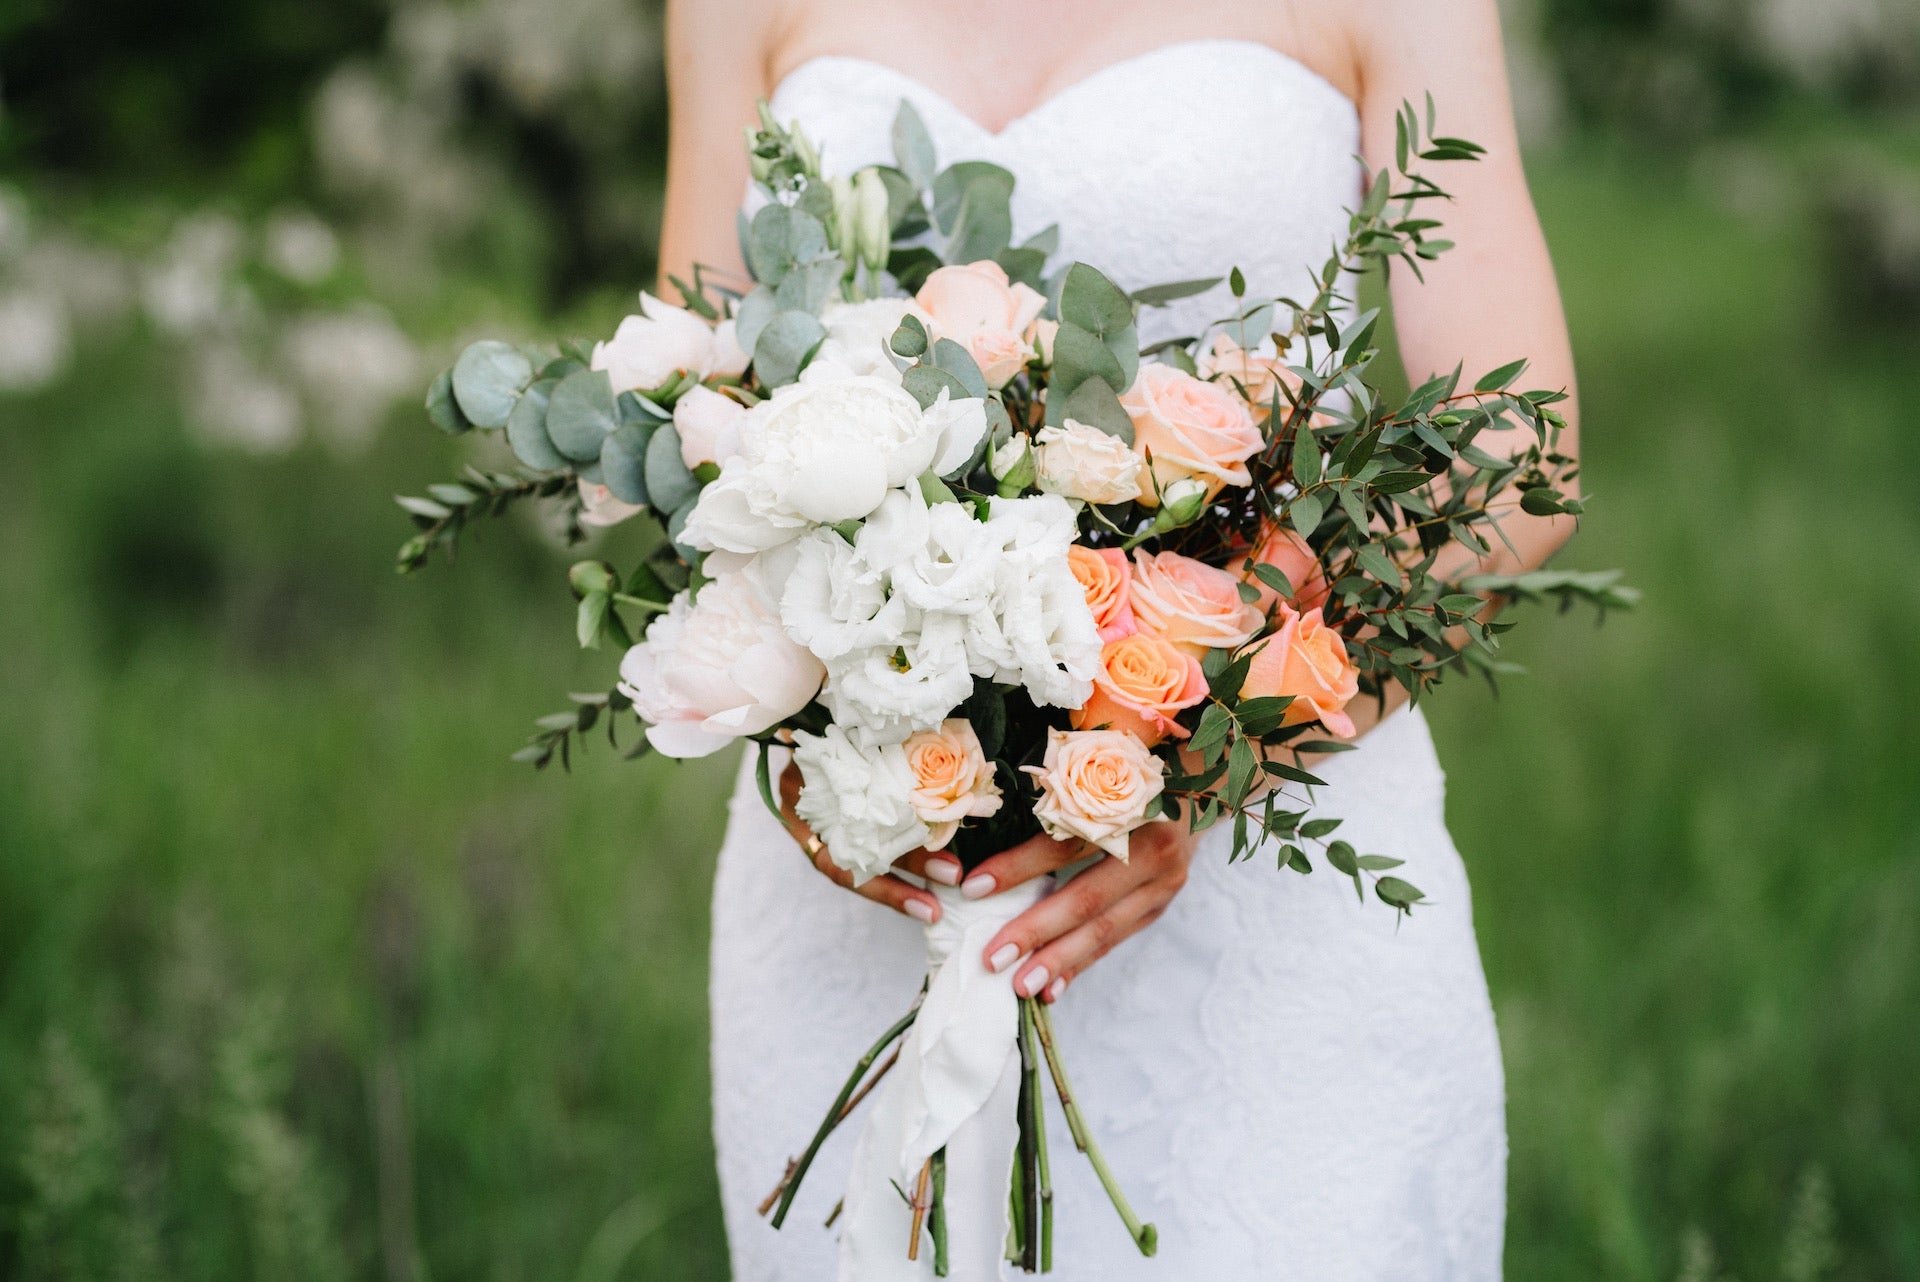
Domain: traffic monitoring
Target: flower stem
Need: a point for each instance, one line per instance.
(1145, 1236)
(797, 1171)
(937, 1216)
(919, 1210)
(1030, 1058)
(1029, 1157)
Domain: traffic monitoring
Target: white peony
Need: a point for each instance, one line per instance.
(825, 450)
(717, 667)
(1086, 463)
(649, 349)
(708, 425)
(858, 799)
(858, 334)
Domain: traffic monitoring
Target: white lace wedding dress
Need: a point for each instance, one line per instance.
(1291, 1084)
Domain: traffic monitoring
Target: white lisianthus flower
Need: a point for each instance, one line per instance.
(715, 668)
(857, 799)
(909, 682)
(1040, 632)
(649, 349)
(825, 450)
(1082, 462)
(858, 333)
(834, 602)
(708, 425)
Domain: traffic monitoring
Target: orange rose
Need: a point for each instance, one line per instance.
(952, 779)
(1288, 553)
(1190, 427)
(1142, 684)
(1103, 576)
(1308, 660)
(1193, 605)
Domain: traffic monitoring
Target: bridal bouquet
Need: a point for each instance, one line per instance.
(934, 521)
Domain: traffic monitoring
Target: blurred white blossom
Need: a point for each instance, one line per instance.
(232, 402)
(300, 247)
(36, 340)
(191, 284)
(351, 368)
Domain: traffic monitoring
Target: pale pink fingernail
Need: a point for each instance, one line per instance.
(978, 886)
(1059, 987)
(944, 871)
(1002, 957)
(1035, 981)
(922, 909)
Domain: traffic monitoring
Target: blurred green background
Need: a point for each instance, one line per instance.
(300, 978)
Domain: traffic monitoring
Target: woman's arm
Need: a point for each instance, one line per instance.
(1488, 300)
(717, 58)
(1492, 297)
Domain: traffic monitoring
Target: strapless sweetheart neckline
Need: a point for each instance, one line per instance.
(1085, 84)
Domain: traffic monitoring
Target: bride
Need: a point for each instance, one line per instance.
(1291, 1084)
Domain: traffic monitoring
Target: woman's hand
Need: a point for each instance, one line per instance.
(1081, 922)
(894, 892)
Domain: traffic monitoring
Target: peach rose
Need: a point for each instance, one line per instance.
(1103, 576)
(1191, 604)
(1288, 553)
(977, 307)
(952, 779)
(1261, 375)
(1190, 427)
(1142, 684)
(1096, 785)
(1308, 660)
(1085, 463)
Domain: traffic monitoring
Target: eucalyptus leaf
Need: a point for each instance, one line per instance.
(623, 462)
(487, 379)
(1096, 404)
(807, 287)
(1079, 354)
(668, 482)
(972, 205)
(580, 413)
(527, 429)
(957, 361)
(442, 410)
(912, 145)
(925, 382)
(781, 238)
(785, 346)
(1091, 301)
(751, 316)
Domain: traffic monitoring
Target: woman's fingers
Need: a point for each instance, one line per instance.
(1086, 897)
(1031, 858)
(941, 867)
(885, 889)
(1067, 931)
(1048, 972)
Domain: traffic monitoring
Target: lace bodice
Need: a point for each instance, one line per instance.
(1177, 164)
(1291, 1083)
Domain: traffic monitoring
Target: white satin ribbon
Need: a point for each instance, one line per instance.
(957, 1086)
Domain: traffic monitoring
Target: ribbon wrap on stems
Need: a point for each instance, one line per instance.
(957, 1087)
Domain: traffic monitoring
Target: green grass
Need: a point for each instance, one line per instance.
(300, 978)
